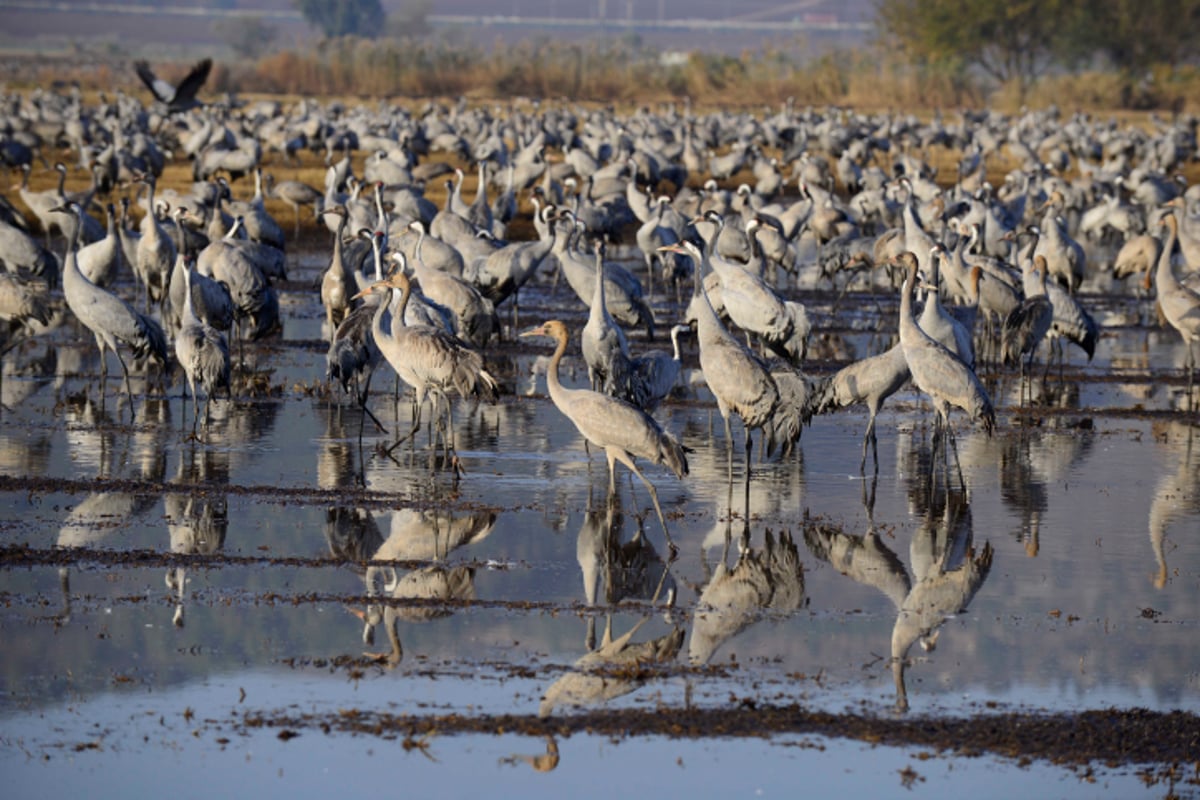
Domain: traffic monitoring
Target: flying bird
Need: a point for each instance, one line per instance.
(177, 98)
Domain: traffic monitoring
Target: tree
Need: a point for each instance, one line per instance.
(1011, 40)
(1137, 35)
(344, 17)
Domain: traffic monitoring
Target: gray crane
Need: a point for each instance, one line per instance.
(1065, 257)
(502, 274)
(20, 251)
(1027, 325)
(655, 374)
(202, 351)
(112, 321)
(872, 381)
(101, 260)
(937, 323)
(256, 304)
(652, 235)
(623, 295)
(605, 348)
(738, 380)
(435, 253)
(430, 360)
(211, 299)
(155, 251)
(757, 309)
(474, 316)
(1180, 304)
(622, 430)
(337, 282)
(353, 355)
(1071, 320)
(177, 98)
(21, 303)
(935, 370)
(294, 194)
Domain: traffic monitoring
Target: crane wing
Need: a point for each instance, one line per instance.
(161, 90)
(195, 79)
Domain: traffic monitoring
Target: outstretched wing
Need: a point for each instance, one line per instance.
(186, 91)
(162, 90)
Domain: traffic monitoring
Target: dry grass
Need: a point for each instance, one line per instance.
(623, 71)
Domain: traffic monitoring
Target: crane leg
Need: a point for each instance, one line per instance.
(1190, 366)
(746, 494)
(627, 461)
(195, 405)
(128, 388)
(869, 439)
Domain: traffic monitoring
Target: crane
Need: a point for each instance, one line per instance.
(111, 320)
(654, 374)
(176, 98)
(294, 194)
(756, 308)
(622, 430)
(1027, 325)
(202, 352)
(870, 380)
(1180, 304)
(739, 381)
(935, 370)
(605, 348)
(430, 360)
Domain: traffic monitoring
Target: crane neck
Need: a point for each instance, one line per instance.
(343, 221)
(189, 308)
(908, 324)
(1164, 276)
(377, 256)
(553, 385)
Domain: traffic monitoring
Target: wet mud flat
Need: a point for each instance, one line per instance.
(274, 579)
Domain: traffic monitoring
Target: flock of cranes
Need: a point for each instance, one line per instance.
(1001, 272)
(649, 220)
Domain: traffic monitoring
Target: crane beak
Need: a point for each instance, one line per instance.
(671, 248)
(367, 291)
(540, 330)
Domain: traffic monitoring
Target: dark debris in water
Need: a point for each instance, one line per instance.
(1111, 737)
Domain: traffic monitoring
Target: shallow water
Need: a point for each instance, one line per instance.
(1063, 575)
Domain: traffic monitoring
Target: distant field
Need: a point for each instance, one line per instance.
(132, 27)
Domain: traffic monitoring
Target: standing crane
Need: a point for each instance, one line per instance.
(935, 370)
(1180, 304)
(1027, 325)
(110, 319)
(605, 348)
(870, 380)
(202, 352)
(738, 380)
(294, 194)
(621, 429)
(430, 360)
